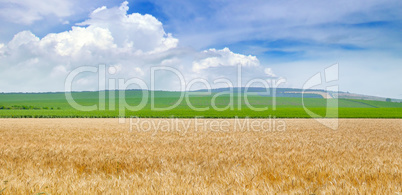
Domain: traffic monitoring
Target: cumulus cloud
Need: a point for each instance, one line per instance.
(224, 57)
(212, 64)
(143, 33)
(129, 45)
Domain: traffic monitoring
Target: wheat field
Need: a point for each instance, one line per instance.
(94, 156)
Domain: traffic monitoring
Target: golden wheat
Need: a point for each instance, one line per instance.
(91, 156)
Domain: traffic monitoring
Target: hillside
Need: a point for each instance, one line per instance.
(284, 105)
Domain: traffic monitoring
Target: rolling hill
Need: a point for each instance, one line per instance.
(255, 102)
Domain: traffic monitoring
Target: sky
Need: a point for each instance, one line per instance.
(42, 42)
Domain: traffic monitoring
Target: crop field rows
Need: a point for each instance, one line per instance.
(55, 105)
(89, 156)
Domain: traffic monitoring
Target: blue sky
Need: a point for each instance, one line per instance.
(295, 39)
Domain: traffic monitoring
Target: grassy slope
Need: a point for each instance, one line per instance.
(289, 107)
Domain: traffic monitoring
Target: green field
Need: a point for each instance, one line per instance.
(49, 105)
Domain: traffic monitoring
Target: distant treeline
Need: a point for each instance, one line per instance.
(22, 107)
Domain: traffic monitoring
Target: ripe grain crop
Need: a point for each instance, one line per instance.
(91, 156)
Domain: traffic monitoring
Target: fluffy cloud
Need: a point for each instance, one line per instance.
(223, 57)
(128, 44)
(212, 64)
(143, 33)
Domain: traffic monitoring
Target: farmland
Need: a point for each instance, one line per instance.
(251, 142)
(90, 156)
(55, 105)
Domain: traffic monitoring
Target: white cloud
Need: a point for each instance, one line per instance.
(224, 57)
(130, 43)
(65, 22)
(58, 71)
(141, 32)
(212, 64)
(2, 47)
(269, 72)
(22, 38)
(78, 40)
(28, 11)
